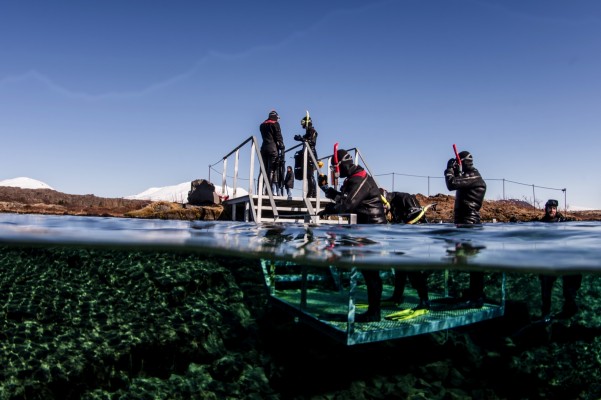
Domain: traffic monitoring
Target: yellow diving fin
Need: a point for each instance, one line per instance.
(404, 315)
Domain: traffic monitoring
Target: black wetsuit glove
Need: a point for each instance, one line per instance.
(322, 182)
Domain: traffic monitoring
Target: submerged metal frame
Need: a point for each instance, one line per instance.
(332, 312)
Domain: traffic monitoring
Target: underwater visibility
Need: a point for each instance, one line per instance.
(130, 308)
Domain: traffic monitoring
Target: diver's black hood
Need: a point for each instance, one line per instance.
(346, 163)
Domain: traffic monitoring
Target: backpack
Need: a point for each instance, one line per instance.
(298, 165)
(403, 206)
(202, 192)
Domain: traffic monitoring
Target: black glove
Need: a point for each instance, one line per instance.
(298, 138)
(329, 209)
(281, 147)
(452, 163)
(322, 180)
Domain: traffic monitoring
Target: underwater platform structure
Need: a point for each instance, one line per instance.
(328, 299)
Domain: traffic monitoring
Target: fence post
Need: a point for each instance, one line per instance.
(504, 189)
(428, 185)
(393, 181)
(565, 201)
(533, 197)
(209, 172)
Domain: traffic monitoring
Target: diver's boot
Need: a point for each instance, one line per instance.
(371, 315)
(423, 305)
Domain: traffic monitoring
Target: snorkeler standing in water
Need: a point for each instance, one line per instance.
(470, 188)
(571, 282)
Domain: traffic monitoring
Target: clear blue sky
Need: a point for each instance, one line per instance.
(113, 97)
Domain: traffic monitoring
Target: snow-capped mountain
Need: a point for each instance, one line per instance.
(25, 183)
(176, 193)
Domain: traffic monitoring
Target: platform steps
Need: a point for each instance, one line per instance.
(296, 209)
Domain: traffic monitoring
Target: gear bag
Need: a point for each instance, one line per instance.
(404, 206)
(202, 192)
(298, 165)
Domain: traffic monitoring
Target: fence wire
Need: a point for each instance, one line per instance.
(497, 188)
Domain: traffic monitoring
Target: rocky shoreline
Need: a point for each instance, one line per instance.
(51, 202)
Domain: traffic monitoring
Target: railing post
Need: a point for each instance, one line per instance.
(223, 176)
(251, 179)
(235, 183)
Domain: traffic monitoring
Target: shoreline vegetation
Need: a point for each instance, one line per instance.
(51, 202)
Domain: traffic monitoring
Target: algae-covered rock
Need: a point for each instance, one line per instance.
(176, 211)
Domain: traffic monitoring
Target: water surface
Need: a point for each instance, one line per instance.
(533, 246)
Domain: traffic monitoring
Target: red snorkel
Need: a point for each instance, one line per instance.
(458, 158)
(336, 169)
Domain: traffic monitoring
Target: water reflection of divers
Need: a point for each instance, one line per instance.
(462, 251)
(299, 243)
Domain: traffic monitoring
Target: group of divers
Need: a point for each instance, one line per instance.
(360, 195)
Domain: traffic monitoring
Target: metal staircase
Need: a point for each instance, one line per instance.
(260, 204)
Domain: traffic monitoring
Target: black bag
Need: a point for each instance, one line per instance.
(202, 192)
(298, 165)
(404, 206)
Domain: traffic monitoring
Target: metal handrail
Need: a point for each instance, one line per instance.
(308, 155)
(263, 173)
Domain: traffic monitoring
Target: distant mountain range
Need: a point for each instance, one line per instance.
(175, 193)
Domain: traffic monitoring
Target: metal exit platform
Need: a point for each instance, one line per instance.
(319, 298)
(261, 204)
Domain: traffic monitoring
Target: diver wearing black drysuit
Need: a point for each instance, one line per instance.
(272, 145)
(359, 194)
(470, 190)
(310, 137)
(571, 283)
(403, 208)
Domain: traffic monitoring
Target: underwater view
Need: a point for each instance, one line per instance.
(108, 308)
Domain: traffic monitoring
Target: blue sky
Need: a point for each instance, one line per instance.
(114, 97)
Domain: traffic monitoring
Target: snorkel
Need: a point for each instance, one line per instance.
(336, 169)
(458, 158)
